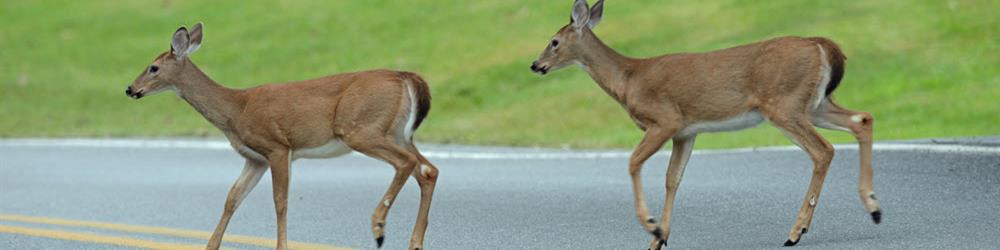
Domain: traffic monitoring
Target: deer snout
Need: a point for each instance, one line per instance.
(538, 68)
(134, 94)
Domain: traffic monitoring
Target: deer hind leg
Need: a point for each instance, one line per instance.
(252, 172)
(675, 171)
(798, 128)
(859, 124)
(402, 160)
(280, 174)
(426, 175)
(654, 139)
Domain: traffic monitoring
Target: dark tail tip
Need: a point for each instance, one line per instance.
(379, 241)
(423, 93)
(837, 61)
(877, 216)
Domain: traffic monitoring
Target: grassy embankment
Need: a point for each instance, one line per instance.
(924, 68)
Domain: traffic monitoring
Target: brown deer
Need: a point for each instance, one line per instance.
(371, 112)
(787, 81)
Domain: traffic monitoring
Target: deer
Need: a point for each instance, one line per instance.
(371, 112)
(787, 81)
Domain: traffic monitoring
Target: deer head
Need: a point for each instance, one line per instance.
(165, 71)
(566, 45)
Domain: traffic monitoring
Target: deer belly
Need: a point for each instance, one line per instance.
(742, 121)
(331, 149)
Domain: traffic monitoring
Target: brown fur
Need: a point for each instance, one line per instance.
(365, 111)
(676, 96)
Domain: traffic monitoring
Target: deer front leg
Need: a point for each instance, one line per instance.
(252, 171)
(675, 171)
(654, 139)
(280, 166)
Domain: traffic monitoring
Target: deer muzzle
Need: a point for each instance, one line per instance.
(539, 69)
(134, 94)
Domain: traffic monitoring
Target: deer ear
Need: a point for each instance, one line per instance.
(581, 14)
(596, 13)
(179, 43)
(195, 37)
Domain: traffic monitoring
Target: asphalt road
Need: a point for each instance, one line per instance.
(938, 197)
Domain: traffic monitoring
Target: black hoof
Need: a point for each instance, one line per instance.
(802, 232)
(789, 243)
(379, 241)
(877, 216)
(657, 233)
(661, 244)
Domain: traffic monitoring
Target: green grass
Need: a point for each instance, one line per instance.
(923, 68)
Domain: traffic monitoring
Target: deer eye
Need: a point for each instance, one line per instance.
(555, 43)
(153, 69)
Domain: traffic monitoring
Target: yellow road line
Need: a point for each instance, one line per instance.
(95, 238)
(195, 234)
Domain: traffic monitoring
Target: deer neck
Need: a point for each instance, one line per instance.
(218, 104)
(605, 65)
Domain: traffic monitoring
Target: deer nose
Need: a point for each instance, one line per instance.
(534, 66)
(128, 91)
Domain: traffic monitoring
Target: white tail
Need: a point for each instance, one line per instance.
(784, 80)
(372, 112)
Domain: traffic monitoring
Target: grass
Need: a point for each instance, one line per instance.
(923, 68)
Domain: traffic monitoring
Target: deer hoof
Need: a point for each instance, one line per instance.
(802, 232)
(789, 243)
(877, 216)
(657, 233)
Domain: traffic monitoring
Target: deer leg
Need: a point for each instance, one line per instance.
(653, 141)
(280, 166)
(675, 171)
(859, 124)
(404, 162)
(426, 176)
(802, 133)
(252, 171)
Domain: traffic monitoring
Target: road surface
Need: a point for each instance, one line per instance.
(110, 194)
